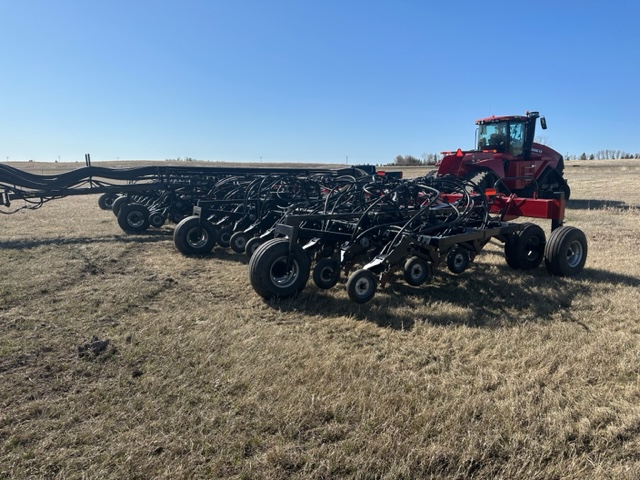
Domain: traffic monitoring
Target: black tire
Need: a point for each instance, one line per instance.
(416, 271)
(177, 217)
(525, 248)
(238, 242)
(133, 218)
(105, 201)
(508, 249)
(566, 251)
(252, 245)
(118, 203)
(268, 271)
(193, 237)
(156, 220)
(551, 182)
(361, 286)
(458, 260)
(326, 273)
(224, 237)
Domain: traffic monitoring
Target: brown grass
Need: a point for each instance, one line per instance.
(490, 374)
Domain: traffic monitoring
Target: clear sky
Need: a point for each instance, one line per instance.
(310, 80)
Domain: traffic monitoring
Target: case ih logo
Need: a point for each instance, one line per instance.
(536, 150)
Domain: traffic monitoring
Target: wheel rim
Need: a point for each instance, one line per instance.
(574, 254)
(279, 274)
(197, 237)
(225, 236)
(135, 219)
(363, 286)
(533, 249)
(417, 272)
(326, 274)
(156, 220)
(240, 242)
(458, 260)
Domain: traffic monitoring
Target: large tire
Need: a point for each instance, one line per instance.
(551, 182)
(118, 203)
(326, 273)
(133, 218)
(566, 189)
(361, 286)
(525, 248)
(416, 271)
(566, 251)
(238, 241)
(193, 237)
(268, 271)
(105, 201)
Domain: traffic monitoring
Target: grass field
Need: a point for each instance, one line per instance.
(494, 373)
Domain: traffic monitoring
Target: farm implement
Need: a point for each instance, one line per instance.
(244, 211)
(141, 197)
(413, 226)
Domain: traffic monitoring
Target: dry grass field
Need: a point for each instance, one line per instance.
(491, 374)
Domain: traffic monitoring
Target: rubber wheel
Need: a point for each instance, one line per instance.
(326, 273)
(133, 218)
(553, 177)
(525, 248)
(177, 217)
(156, 220)
(193, 237)
(238, 242)
(457, 260)
(224, 237)
(105, 201)
(118, 203)
(566, 251)
(252, 245)
(416, 271)
(361, 286)
(508, 255)
(268, 271)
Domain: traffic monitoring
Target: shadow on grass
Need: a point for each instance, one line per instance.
(481, 297)
(590, 204)
(147, 237)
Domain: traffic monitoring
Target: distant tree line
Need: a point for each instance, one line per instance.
(425, 159)
(432, 158)
(603, 155)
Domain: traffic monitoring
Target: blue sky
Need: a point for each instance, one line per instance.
(310, 80)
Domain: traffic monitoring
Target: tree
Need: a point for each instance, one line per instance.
(405, 160)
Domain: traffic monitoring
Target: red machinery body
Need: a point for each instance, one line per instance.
(508, 158)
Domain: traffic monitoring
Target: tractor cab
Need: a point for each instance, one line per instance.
(505, 152)
(512, 135)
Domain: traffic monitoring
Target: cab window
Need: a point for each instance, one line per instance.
(516, 134)
(493, 136)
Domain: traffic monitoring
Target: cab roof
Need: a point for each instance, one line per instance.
(506, 118)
